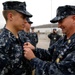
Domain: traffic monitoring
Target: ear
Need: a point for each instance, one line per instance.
(10, 16)
(73, 20)
(73, 17)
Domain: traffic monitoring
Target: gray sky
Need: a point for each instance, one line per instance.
(42, 10)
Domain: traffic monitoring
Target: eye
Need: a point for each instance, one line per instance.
(23, 16)
(25, 22)
(60, 21)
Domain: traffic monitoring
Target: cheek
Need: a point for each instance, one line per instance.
(68, 24)
(17, 20)
(29, 26)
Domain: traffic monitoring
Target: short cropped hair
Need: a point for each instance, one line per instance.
(5, 13)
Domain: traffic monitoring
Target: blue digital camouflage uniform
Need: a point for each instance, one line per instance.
(28, 37)
(12, 61)
(33, 38)
(59, 59)
(23, 36)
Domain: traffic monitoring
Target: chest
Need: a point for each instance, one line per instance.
(61, 50)
(14, 51)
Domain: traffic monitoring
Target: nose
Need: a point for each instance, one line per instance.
(25, 21)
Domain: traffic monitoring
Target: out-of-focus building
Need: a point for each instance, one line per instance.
(47, 28)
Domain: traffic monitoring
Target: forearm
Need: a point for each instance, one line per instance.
(42, 54)
(64, 67)
(43, 67)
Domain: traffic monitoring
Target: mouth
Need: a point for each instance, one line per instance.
(62, 28)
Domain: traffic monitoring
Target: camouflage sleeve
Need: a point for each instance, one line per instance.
(43, 54)
(64, 67)
(3, 56)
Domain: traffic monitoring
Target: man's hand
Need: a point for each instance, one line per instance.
(29, 45)
(28, 53)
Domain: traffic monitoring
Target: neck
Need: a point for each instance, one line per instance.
(11, 29)
(27, 31)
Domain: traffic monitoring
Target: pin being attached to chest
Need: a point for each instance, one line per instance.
(59, 58)
(69, 41)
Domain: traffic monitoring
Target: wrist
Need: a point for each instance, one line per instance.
(33, 58)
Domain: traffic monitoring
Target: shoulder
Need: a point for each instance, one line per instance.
(20, 33)
(4, 38)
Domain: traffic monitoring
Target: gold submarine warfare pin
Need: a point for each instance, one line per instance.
(69, 41)
(57, 60)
